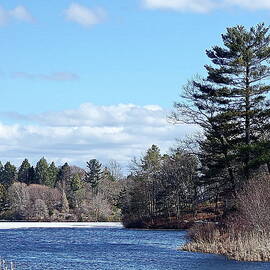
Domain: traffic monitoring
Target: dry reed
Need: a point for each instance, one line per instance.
(244, 246)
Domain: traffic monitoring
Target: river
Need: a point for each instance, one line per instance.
(106, 248)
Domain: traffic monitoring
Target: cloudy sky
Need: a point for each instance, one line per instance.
(96, 78)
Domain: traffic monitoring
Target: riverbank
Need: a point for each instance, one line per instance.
(251, 246)
(207, 212)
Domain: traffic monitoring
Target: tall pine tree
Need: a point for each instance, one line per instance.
(232, 108)
(240, 78)
(42, 172)
(94, 173)
(53, 173)
(9, 175)
(23, 173)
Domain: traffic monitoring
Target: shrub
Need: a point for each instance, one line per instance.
(245, 234)
(204, 232)
(253, 204)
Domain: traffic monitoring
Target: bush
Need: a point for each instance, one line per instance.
(253, 204)
(204, 232)
(244, 235)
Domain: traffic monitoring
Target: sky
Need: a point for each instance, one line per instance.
(97, 79)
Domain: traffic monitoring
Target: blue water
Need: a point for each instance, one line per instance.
(107, 249)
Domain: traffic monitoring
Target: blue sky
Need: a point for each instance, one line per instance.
(64, 63)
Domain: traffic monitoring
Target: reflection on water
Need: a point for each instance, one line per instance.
(107, 249)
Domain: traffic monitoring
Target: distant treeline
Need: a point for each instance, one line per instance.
(48, 192)
(158, 187)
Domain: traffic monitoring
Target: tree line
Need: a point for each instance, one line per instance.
(48, 192)
(159, 189)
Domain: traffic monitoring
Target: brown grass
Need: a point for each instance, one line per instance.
(241, 246)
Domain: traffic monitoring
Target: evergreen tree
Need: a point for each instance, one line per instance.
(23, 173)
(231, 106)
(64, 176)
(53, 174)
(76, 185)
(94, 173)
(146, 183)
(152, 159)
(240, 74)
(150, 165)
(9, 174)
(42, 172)
(31, 176)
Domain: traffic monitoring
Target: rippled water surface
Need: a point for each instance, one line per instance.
(107, 249)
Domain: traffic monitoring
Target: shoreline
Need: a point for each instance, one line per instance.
(5, 225)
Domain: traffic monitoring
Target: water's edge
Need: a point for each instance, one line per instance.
(23, 224)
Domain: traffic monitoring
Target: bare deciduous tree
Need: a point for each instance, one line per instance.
(253, 203)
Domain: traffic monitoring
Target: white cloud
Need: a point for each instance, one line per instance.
(200, 6)
(117, 132)
(92, 115)
(83, 15)
(56, 76)
(203, 6)
(249, 4)
(19, 13)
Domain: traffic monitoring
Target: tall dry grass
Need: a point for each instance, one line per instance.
(244, 246)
